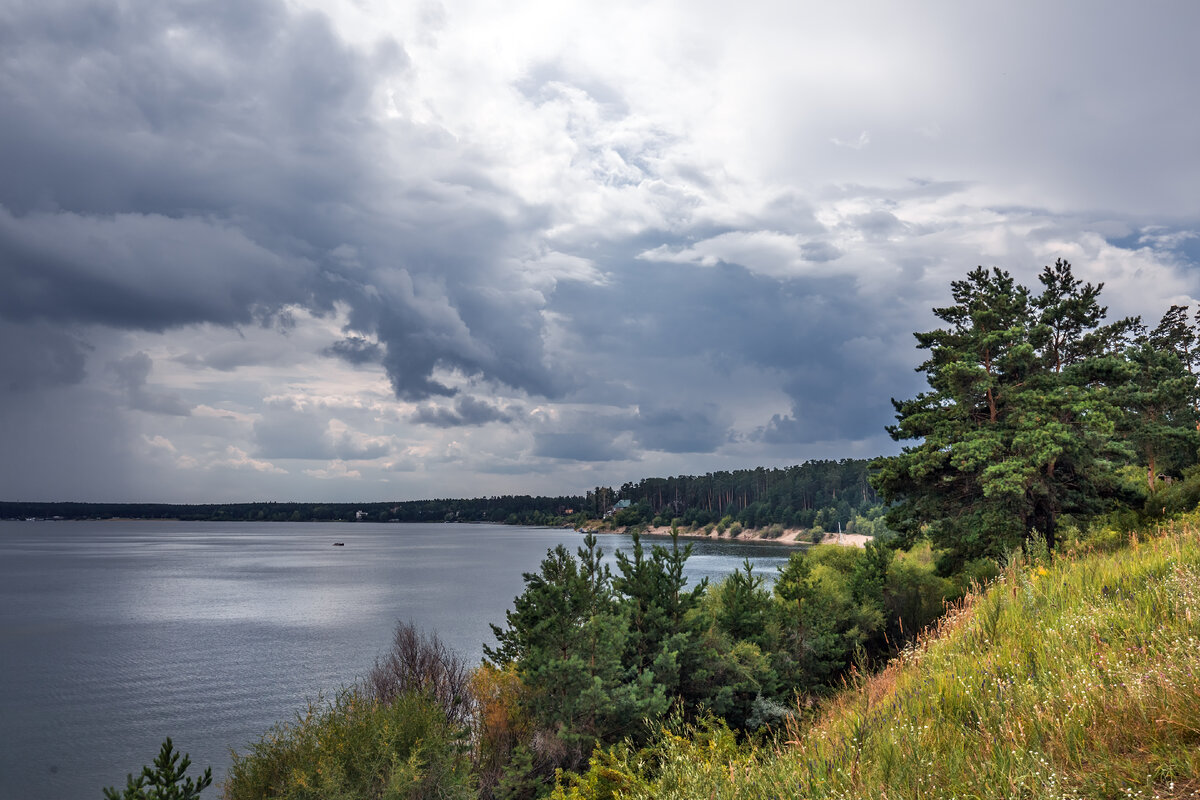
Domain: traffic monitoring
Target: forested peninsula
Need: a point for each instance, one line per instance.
(1023, 622)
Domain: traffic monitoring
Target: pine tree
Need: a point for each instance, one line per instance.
(165, 781)
(1017, 427)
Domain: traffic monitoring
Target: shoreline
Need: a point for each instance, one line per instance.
(791, 537)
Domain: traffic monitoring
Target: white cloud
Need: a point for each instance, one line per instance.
(336, 469)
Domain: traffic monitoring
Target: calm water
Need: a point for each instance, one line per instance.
(114, 635)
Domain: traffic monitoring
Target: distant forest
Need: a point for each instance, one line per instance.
(822, 494)
(815, 494)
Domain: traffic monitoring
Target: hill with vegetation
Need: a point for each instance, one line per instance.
(1072, 677)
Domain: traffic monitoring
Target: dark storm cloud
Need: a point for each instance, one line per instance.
(132, 373)
(39, 355)
(138, 271)
(466, 411)
(583, 445)
(832, 349)
(677, 430)
(356, 350)
(216, 162)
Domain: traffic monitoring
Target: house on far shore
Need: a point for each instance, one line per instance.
(359, 516)
(620, 506)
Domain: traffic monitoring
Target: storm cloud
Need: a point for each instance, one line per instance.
(275, 249)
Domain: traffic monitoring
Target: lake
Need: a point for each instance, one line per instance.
(116, 634)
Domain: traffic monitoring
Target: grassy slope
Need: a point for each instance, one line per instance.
(1078, 679)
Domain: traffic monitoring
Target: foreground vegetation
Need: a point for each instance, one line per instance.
(1076, 678)
(1071, 675)
(588, 658)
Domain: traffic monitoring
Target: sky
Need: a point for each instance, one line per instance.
(376, 250)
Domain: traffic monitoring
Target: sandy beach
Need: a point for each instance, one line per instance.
(790, 536)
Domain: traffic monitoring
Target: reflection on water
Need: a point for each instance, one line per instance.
(116, 634)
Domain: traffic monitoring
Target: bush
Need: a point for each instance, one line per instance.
(357, 747)
(420, 663)
(735, 529)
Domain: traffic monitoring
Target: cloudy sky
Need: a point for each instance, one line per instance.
(373, 250)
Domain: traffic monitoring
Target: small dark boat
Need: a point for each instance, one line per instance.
(339, 544)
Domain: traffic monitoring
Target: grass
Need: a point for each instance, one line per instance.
(1073, 679)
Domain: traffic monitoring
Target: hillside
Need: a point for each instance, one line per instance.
(1077, 679)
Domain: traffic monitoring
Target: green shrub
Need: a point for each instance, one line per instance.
(355, 747)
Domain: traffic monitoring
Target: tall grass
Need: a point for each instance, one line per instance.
(1073, 679)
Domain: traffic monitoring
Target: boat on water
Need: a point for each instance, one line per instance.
(339, 544)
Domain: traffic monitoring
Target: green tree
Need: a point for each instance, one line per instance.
(1017, 427)
(165, 781)
(567, 635)
(654, 594)
(1160, 422)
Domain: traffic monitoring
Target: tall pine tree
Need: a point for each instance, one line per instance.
(1017, 426)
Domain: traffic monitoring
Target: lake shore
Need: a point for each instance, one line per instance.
(793, 537)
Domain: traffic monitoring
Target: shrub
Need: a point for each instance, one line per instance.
(420, 663)
(357, 747)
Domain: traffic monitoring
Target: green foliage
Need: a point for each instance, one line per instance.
(1028, 394)
(568, 636)
(1159, 393)
(744, 607)
(165, 781)
(355, 748)
(602, 658)
(1071, 680)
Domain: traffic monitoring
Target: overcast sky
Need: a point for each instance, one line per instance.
(376, 250)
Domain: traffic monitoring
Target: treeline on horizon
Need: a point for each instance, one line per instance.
(814, 494)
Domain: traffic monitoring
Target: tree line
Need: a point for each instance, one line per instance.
(822, 494)
(813, 494)
(510, 509)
